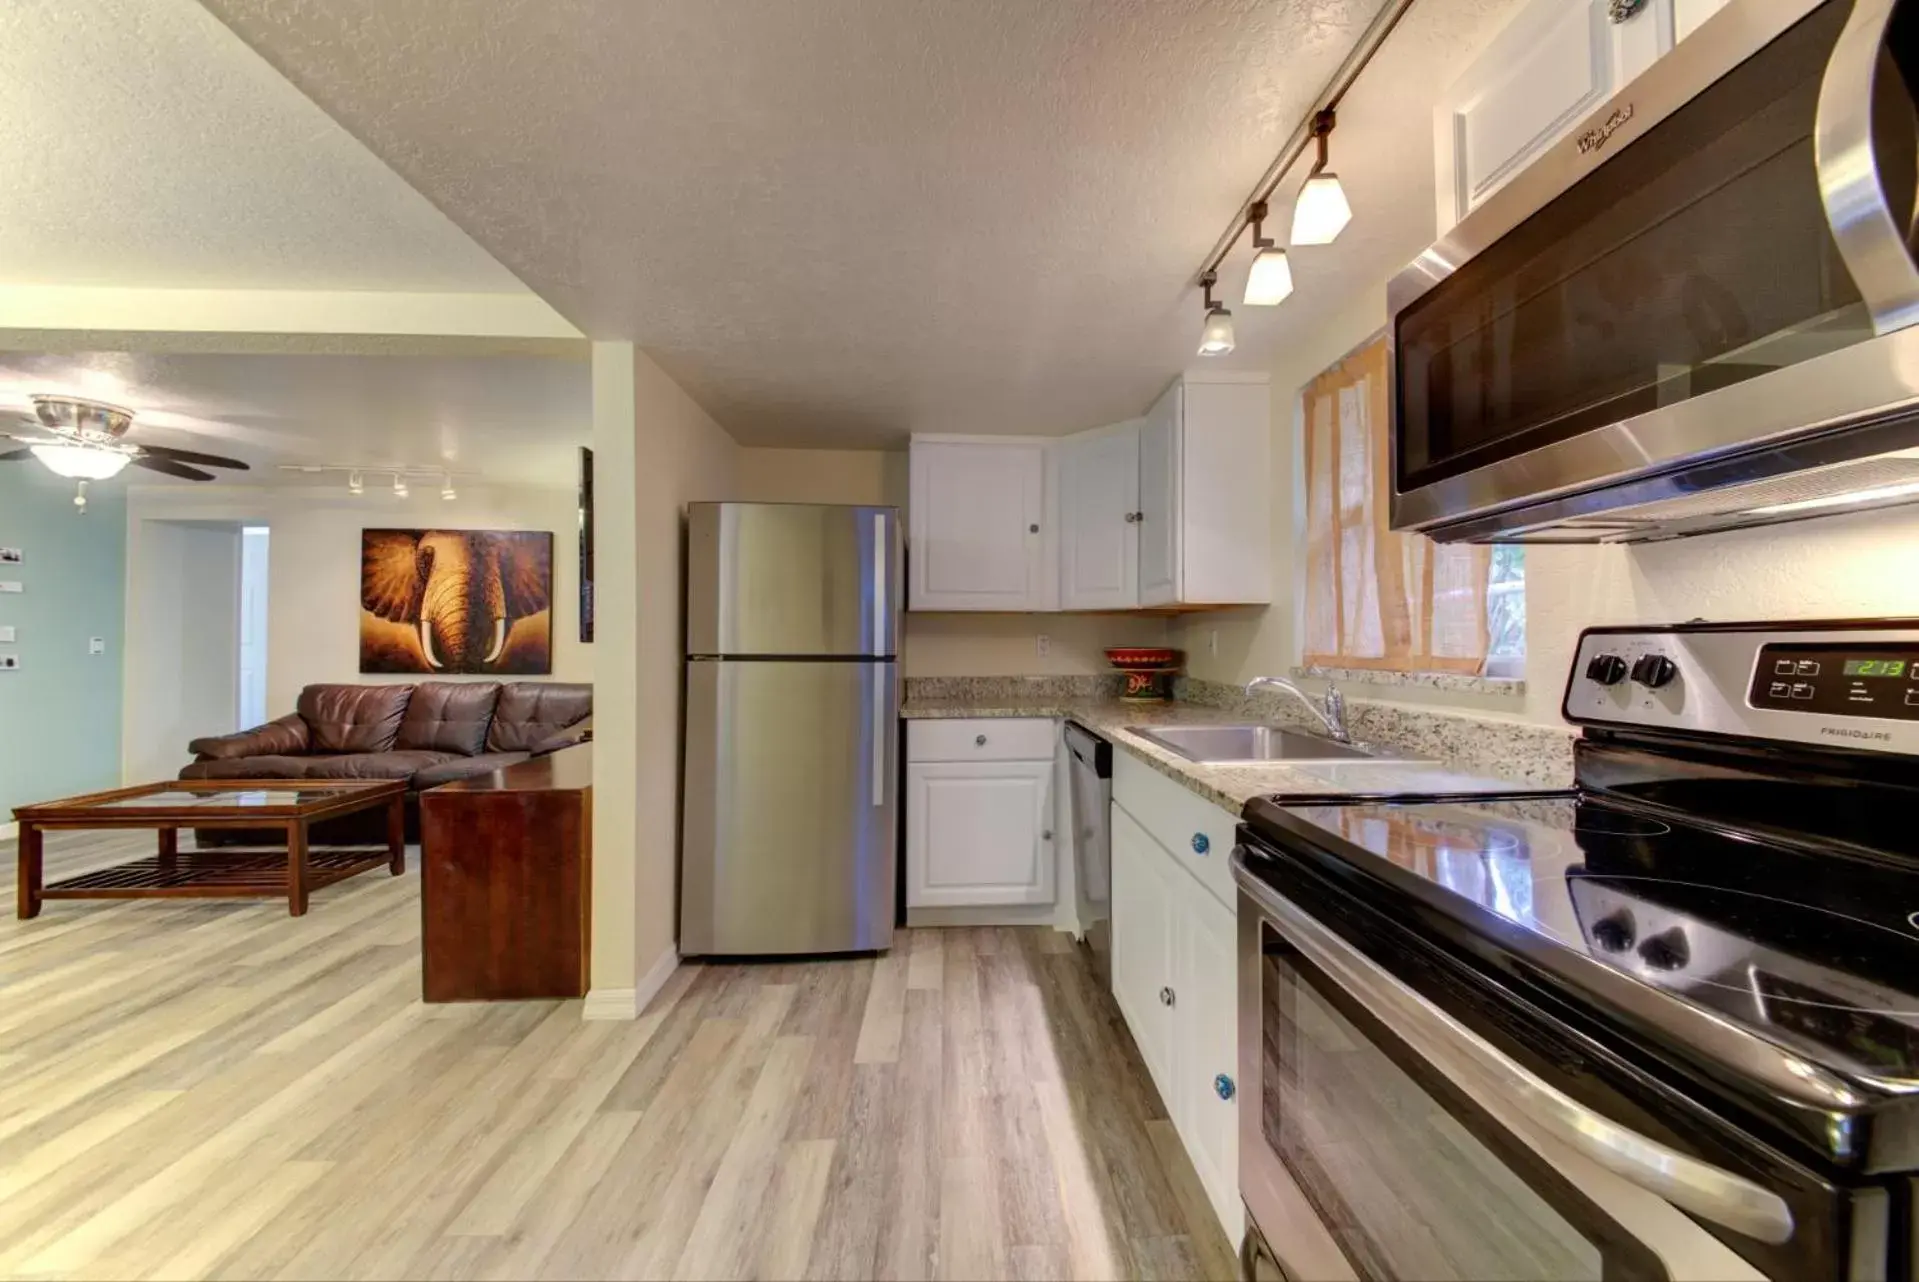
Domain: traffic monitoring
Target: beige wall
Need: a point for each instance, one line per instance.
(647, 429)
(1838, 566)
(944, 645)
(313, 577)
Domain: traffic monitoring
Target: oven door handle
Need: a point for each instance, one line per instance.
(1728, 1200)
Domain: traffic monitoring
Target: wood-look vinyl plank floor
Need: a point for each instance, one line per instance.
(195, 1089)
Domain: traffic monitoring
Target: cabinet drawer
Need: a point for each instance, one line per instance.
(981, 739)
(1199, 834)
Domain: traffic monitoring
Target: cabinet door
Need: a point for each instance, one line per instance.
(1159, 466)
(1143, 944)
(1205, 1098)
(977, 513)
(1098, 529)
(1547, 68)
(979, 833)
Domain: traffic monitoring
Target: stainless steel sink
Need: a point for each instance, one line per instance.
(1217, 745)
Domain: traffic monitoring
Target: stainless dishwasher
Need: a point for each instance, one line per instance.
(1092, 854)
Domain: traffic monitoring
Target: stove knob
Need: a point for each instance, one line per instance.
(1654, 670)
(1606, 669)
(1667, 950)
(1614, 933)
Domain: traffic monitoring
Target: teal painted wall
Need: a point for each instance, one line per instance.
(60, 712)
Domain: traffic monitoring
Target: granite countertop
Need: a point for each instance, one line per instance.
(1229, 787)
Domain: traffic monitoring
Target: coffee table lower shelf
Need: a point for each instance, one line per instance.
(216, 874)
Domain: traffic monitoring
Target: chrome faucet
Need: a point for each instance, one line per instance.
(1331, 715)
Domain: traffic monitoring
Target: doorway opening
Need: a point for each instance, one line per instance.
(252, 701)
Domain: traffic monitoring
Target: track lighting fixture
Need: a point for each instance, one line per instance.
(447, 492)
(399, 486)
(1271, 277)
(1216, 336)
(355, 483)
(1320, 212)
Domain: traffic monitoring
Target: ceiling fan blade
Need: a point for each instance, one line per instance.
(171, 468)
(190, 456)
(12, 455)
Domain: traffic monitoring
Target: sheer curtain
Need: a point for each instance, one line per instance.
(1375, 599)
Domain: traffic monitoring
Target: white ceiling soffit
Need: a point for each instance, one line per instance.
(840, 220)
(144, 146)
(513, 420)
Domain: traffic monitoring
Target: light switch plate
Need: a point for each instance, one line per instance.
(6, 635)
(9, 585)
(96, 645)
(9, 662)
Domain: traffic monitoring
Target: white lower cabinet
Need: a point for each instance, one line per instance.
(979, 813)
(1175, 980)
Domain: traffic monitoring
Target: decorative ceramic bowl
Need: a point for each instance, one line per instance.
(1149, 671)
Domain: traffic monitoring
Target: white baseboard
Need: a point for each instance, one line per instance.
(627, 1003)
(995, 915)
(9, 831)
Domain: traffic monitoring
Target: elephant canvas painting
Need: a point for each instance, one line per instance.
(456, 601)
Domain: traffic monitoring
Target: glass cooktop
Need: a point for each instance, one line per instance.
(1817, 952)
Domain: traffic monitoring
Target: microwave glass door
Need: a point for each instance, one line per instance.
(1411, 1179)
(1698, 256)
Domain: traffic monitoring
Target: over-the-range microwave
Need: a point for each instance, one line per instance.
(1694, 312)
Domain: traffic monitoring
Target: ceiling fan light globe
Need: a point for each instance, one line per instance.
(81, 462)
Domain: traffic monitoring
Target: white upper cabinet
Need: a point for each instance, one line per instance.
(978, 526)
(1159, 438)
(1555, 62)
(1170, 510)
(1099, 475)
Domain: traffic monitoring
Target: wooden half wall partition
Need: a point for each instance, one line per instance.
(506, 900)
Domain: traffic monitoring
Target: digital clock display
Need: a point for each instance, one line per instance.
(1875, 667)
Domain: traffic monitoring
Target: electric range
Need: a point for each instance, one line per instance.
(1665, 1026)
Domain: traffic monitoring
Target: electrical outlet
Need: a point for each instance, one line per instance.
(6, 635)
(96, 645)
(1042, 645)
(10, 585)
(1212, 642)
(9, 661)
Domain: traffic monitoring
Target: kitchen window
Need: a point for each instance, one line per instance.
(1378, 599)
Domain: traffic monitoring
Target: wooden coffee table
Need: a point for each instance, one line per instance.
(291, 805)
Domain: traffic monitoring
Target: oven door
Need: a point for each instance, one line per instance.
(1380, 1138)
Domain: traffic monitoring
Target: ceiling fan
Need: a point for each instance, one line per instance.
(87, 444)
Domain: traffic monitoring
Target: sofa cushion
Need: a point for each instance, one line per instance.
(285, 737)
(376, 765)
(465, 768)
(346, 718)
(449, 716)
(267, 767)
(531, 711)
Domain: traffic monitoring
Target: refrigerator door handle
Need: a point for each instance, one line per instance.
(879, 733)
(881, 565)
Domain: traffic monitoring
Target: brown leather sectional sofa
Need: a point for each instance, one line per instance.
(426, 734)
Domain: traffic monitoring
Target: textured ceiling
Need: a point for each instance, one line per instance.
(837, 221)
(143, 144)
(510, 419)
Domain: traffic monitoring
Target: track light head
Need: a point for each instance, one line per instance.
(1216, 336)
(447, 492)
(355, 483)
(1321, 210)
(399, 486)
(1271, 277)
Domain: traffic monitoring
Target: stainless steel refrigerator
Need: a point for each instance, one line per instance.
(792, 729)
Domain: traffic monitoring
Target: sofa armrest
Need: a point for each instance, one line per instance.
(579, 732)
(282, 738)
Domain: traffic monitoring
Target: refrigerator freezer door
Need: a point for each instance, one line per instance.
(791, 807)
(792, 579)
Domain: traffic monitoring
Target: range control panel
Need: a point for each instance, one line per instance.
(1859, 681)
(1850, 685)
